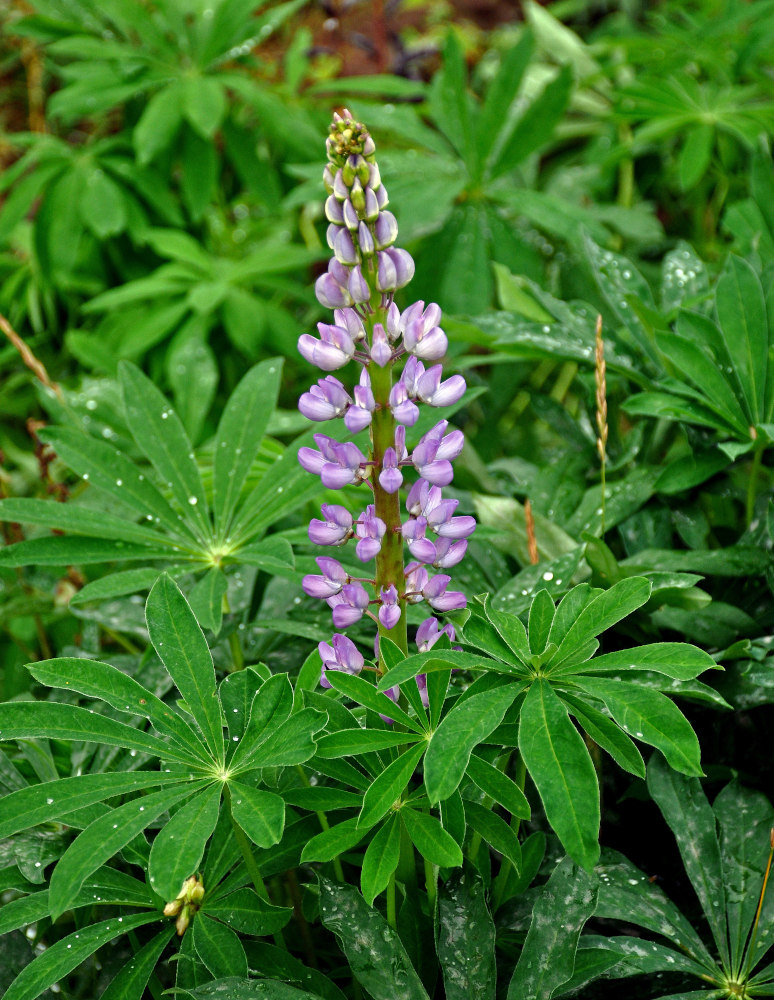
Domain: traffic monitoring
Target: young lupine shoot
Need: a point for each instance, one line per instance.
(391, 347)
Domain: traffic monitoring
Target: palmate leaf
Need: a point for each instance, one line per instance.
(160, 435)
(182, 648)
(465, 934)
(241, 428)
(54, 800)
(388, 787)
(100, 680)
(465, 726)
(179, 847)
(375, 953)
(547, 959)
(61, 958)
(105, 837)
(44, 719)
(559, 764)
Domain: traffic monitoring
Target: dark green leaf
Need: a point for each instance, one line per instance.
(607, 735)
(218, 947)
(466, 938)
(330, 843)
(183, 650)
(380, 859)
(430, 838)
(498, 786)
(388, 787)
(495, 831)
(374, 951)
(559, 763)
(547, 959)
(351, 742)
(675, 659)
(365, 693)
(541, 616)
(741, 311)
(247, 913)
(206, 599)
(466, 725)
(261, 814)
(132, 980)
(178, 848)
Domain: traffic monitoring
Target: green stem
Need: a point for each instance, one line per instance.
(625, 169)
(246, 850)
(752, 485)
(430, 883)
(323, 820)
(237, 656)
(392, 918)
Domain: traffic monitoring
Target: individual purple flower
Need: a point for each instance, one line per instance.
(326, 400)
(431, 390)
(386, 230)
(441, 599)
(349, 604)
(390, 478)
(404, 410)
(421, 548)
(343, 464)
(351, 322)
(357, 286)
(416, 580)
(340, 654)
(449, 552)
(331, 288)
(422, 336)
(333, 350)
(335, 529)
(360, 413)
(333, 579)
(381, 352)
(429, 633)
(370, 530)
(389, 611)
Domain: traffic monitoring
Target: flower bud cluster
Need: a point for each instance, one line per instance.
(392, 348)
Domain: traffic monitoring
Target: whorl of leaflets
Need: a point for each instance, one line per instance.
(397, 353)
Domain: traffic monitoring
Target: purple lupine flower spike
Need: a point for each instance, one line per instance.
(366, 270)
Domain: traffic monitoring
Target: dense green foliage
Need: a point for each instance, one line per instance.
(168, 757)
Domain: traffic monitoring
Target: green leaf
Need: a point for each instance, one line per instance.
(245, 912)
(448, 97)
(495, 831)
(535, 127)
(547, 959)
(105, 837)
(36, 804)
(204, 105)
(675, 659)
(206, 599)
(67, 953)
(743, 858)
(498, 786)
(364, 693)
(261, 814)
(292, 743)
(271, 706)
(179, 847)
(607, 734)
(103, 205)
(444, 659)
(132, 980)
(249, 989)
(561, 768)
(511, 630)
(160, 435)
(192, 372)
(465, 934)
(380, 859)
(122, 692)
(373, 949)
(741, 312)
(329, 844)
(541, 616)
(112, 472)
(351, 742)
(685, 808)
(385, 790)
(238, 438)
(430, 838)
(649, 716)
(36, 719)
(127, 581)
(600, 614)
(695, 155)
(59, 550)
(158, 125)
(218, 947)
(626, 894)
(493, 122)
(467, 724)
(183, 650)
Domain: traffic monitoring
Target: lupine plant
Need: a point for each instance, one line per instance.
(360, 285)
